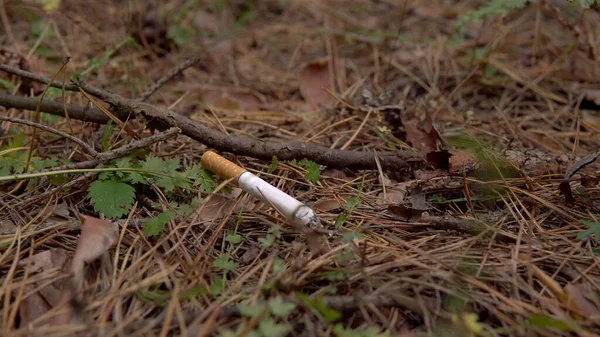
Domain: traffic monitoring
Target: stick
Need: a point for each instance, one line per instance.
(127, 108)
(78, 141)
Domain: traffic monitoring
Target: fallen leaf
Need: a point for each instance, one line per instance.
(231, 100)
(564, 187)
(335, 173)
(463, 158)
(393, 117)
(439, 159)
(584, 298)
(413, 212)
(214, 207)
(46, 260)
(97, 237)
(394, 192)
(327, 204)
(250, 254)
(422, 135)
(41, 300)
(314, 79)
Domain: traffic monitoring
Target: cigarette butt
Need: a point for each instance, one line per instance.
(221, 166)
(291, 208)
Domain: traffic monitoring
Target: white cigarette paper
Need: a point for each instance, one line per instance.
(291, 208)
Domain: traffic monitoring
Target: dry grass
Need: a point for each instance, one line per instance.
(498, 242)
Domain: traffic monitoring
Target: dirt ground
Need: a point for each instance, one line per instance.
(446, 147)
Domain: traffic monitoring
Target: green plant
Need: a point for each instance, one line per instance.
(351, 204)
(269, 239)
(371, 331)
(593, 229)
(491, 8)
(313, 173)
(114, 191)
(271, 313)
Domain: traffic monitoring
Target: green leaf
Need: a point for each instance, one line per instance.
(353, 203)
(233, 238)
(267, 241)
(339, 221)
(318, 305)
(313, 172)
(278, 265)
(544, 322)
(252, 310)
(156, 225)
(200, 177)
(111, 198)
(223, 262)
(274, 164)
(217, 287)
(350, 236)
(179, 34)
(108, 129)
(226, 333)
(594, 229)
(279, 307)
(269, 328)
(7, 84)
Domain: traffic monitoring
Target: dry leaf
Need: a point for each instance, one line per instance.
(50, 296)
(413, 212)
(327, 204)
(335, 173)
(214, 207)
(231, 100)
(422, 135)
(97, 237)
(564, 187)
(584, 298)
(314, 79)
(46, 260)
(394, 192)
(463, 158)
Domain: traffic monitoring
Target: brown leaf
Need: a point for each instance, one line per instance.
(463, 158)
(405, 213)
(49, 296)
(439, 159)
(422, 135)
(584, 298)
(327, 204)
(214, 207)
(47, 260)
(314, 79)
(97, 237)
(231, 100)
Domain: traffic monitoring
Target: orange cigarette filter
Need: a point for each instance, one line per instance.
(221, 166)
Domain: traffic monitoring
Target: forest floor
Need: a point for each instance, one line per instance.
(462, 199)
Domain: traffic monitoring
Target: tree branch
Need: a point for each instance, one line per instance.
(240, 145)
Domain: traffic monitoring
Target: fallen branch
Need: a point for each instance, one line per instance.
(46, 128)
(240, 145)
(101, 159)
(167, 77)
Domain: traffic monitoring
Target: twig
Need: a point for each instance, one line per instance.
(37, 78)
(101, 159)
(46, 128)
(118, 152)
(240, 145)
(53, 107)
(167, 77)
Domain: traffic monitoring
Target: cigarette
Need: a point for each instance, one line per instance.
(292, 209)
